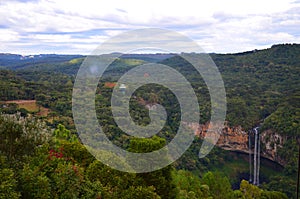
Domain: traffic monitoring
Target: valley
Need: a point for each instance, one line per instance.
(262, 88)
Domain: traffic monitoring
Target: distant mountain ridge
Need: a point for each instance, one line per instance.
(280, 54)
(16, 61)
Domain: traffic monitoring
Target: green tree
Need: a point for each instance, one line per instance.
(140, 192)
(20, 137)
(189, 185)
(8, 184)
(160, 179)
(250, 191)
(61, 133)
(34, 184)
(219, 186)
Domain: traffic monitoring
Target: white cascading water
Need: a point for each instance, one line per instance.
(256, 157)
(250, 157)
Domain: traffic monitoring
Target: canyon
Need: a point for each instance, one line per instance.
(237, 139)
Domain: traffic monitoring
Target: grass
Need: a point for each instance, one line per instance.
(76, 61)
(30, 106)
(133, 61)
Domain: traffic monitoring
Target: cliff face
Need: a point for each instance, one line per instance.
(271, 142)
(236, 139)
(233, 139)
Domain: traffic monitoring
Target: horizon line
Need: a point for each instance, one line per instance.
(87, 54)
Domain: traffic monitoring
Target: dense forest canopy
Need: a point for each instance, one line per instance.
(41, 156)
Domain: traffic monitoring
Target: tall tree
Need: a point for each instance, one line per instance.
(160, 179)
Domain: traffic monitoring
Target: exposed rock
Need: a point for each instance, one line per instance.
(272, 141)
(236, 139)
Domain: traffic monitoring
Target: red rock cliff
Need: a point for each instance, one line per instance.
(236, 139)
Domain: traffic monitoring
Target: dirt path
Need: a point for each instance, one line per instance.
(20, 101)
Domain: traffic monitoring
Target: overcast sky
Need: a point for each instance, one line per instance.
(79, 26)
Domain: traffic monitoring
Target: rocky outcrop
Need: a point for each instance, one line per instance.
(233, 139)
(236, 139)
(271, 142)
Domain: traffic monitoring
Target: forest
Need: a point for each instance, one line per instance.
(42, 156)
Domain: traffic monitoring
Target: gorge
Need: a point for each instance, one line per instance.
(237, 139)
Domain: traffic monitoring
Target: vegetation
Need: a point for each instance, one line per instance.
(57, 165)
(42, 157)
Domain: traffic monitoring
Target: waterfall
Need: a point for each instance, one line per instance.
(256, 159)
(250, 157)
(255, 156)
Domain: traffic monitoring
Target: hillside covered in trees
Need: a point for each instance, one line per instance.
(42, 157)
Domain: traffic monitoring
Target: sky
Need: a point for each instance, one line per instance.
(80, 26)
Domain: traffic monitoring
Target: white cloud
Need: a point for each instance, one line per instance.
(8, 35)
(220, 26)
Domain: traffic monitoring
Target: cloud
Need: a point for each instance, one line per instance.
(79, 26)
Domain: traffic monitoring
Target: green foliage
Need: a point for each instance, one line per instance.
(140, 192)
(91, 190)
(52, 178)
(20, 137)
(67, 179)
(141, 145)
(285, 120)
(283, 184)
(273, 195)
(219, 186)
(238, 110)
(261, 86)
(238, 194)
(8, 182)
(76, 152)
(189, 185)
(250, 191)
(71, 172)
(34, 184)
(61, 133)
(160, 179)
(13, 87)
